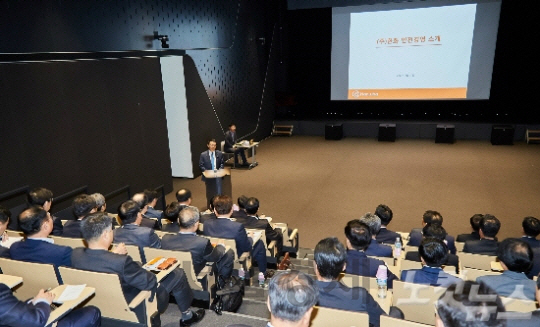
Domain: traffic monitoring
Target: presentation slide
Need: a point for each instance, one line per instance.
(411, 54)
(414, 50)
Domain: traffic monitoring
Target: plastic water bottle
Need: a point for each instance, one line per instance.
(241, 273)
(397, 248)
(261, 279)
(382, 279)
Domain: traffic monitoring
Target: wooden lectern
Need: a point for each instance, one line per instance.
(216, 180)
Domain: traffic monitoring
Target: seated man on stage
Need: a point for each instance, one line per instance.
(211, 159)
(230, 140)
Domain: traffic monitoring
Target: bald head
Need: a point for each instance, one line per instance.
(183, 196)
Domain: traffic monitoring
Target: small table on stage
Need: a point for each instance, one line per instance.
(251, 146)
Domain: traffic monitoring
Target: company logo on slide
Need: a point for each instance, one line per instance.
(356, 94)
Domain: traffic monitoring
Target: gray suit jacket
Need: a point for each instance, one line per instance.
(131, 234)
(509, 284)
(200, 248)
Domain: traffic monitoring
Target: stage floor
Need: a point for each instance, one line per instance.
(317, 185)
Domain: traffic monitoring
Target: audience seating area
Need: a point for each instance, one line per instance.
(414, 300)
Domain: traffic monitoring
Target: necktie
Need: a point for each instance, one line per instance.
(213, 160)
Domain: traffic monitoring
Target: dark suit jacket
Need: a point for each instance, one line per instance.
(153, 213)
(72, 229)
(453, 260)
(415, 238)
(535, 270)
(272, 234)
(133, 278)
(206, 164)
(170, 228)
(200, 248)
(474, 236)
(378, 250)
(387, 236)
(240, 214)
(42, 252)
(58, 228)
(483, 246)
(225, 228)
(230, 139)
(429, 275)
(132, 234)
(533, 242)
(358, 263)
(205, 217)
(338, 296)
(21, 314)
(4, 252)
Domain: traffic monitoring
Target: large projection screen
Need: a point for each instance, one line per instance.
(414, 50)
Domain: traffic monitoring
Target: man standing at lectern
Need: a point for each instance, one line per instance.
(230, 140)
(211, 160)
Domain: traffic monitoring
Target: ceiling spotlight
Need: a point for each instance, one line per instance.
(163, 38)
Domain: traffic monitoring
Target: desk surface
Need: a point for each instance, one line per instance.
(384, 303)
(68, 305)
(10, 281)
(239, 145)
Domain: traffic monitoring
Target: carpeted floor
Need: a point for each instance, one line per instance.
(317, 185)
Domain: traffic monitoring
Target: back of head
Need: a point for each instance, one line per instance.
(372, 221)
(330, 257)
(469, 304)
(5, 215)
(358, 234)
(434, 230)
(151, 195)
(475, 221)
(531, 226)
(31, 220)
(252, 206)
(516, 254)
(434, 251)
(99, 199)
(172, 211)
(291, 294)
(95, 225)
(183, 195)
(141, 199)
(38, 196)
(490, 225)
(385, 213)
(189, 216)
(431, 216)
(242, 199)
(83, 204)
(128, 212)
(222, 204)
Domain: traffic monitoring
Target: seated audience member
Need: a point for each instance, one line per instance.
(516, 258)
(475, 225)
(36, 312)
(201, 248)
(385, 235)
(171, 214)
(252, 221)
(430, 216)
(42, 197)
(433, 254)
(97, 231)
(241, 212)
(487, 244)
(291, 297)
(83, 205)
(531, 229)
(358, 263)
(5, 216)
(101, 205)
(36, 224)
(469, 305)
(131, 232)
(224, 227)
(330, 260)
(153, 198)
(375, 249)
(535, 270)
(142, 201)
(437, 231)
(209, 213)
